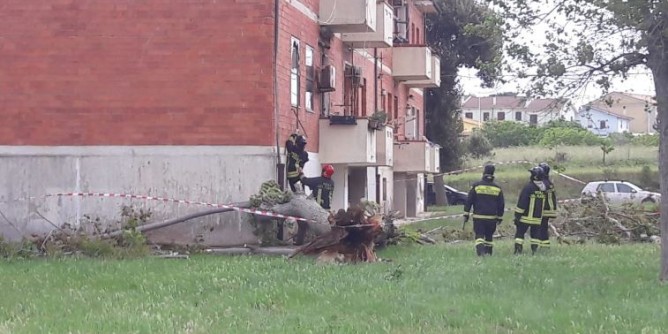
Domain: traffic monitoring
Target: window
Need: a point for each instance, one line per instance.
(389, 100)
(351, 90)
(396, 107)
(362, 111)
(603, 124)
(310, 79)
(606, 188)
(417, 36)
(501, 116)
(533, 119)
(518, 115)
(384, 189)
(624, 188)
(468, 115)
(485, 116)
(294, 73)
(412, 33)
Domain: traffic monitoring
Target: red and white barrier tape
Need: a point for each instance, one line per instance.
(169, 200)
(512, 162)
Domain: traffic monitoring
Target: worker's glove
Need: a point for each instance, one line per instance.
(466, 217)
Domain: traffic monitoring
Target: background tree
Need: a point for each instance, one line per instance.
(463, 33)
(591, 41)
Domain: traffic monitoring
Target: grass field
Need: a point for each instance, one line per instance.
(583, 163)
(424, 289)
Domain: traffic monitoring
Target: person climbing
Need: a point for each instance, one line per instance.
(297, 157)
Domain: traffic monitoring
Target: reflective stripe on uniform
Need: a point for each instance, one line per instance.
(491, 217)
(479, 241)
(519, 241)
(536, 241)
(530, 221)
(487, 190)
(489, 243)
(545, 243)
(519, 210)
(550, 214)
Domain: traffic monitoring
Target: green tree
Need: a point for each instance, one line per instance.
(606, 147)
(592, 41)
(478, 146)
(508, 133)
(463, 33)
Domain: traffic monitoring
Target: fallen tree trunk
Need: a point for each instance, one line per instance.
(302, 207)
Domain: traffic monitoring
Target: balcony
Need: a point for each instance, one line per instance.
(426, 6)
(385, 146)
(434, 81)
(381, 38)
(416, 157)
(347, 140)
(348, 16)
(412, 63)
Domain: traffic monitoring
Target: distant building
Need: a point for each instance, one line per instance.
(601, 121)
(511, 107)
(641, 110)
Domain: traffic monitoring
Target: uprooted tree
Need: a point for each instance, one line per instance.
(593, 41)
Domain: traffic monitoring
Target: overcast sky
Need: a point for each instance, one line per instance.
(639, 82)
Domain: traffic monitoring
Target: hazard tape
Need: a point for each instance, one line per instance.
(166, 200)
(462, 214)
(459, 171)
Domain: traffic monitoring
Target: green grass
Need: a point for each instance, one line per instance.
(425, 289)
(582, 156)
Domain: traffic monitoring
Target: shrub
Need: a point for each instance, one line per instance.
(569, 137)
(478, 145)
(507, 133)
(646, 140)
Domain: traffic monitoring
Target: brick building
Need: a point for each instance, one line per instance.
(195, 100)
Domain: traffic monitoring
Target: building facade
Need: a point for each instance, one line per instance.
(511, 107)
(641, 110)
(195, 100)
(602, 122)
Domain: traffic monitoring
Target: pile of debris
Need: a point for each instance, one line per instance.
(595, 219)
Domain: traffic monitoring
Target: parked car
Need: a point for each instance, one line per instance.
(454, 196)
(618, 192)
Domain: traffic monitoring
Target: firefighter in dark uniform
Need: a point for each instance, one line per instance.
(529, 210)
(296, 159)
(550, 208)
(486, 198)
(322, 188)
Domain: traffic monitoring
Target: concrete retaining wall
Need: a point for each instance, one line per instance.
(202, 173)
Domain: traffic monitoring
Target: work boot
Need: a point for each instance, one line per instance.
(480, 249)
(518, 249)
(534, 247)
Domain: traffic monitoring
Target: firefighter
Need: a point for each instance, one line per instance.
(529, 210)
(550, 208)
(323, 189)
(296, 158)
(486, 198)
(322, 186)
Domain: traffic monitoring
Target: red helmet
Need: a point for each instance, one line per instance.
(327, 170)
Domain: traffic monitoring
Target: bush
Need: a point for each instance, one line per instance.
(646, 140)
(507, 133)
(478, 145)
(569, 137)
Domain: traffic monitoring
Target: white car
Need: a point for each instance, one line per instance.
(618, 192)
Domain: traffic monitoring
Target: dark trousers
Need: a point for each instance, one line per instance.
(534, 231)
(545, 232)
(292, 181)
(484, 233)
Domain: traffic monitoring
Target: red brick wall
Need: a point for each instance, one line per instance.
(295, 24)
(136, 72)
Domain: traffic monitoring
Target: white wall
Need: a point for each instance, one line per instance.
(215, 174)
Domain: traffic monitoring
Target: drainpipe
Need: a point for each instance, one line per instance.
(280, 167)
(375, 108)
